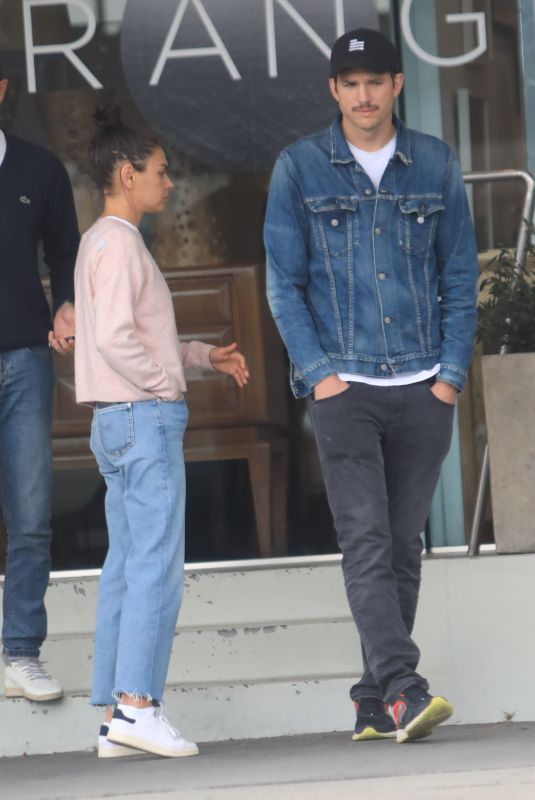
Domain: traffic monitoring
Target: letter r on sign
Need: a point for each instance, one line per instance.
(67, 49)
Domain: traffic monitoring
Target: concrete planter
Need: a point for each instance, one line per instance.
(509, 392)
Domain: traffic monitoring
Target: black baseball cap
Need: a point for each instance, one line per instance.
(365, 49)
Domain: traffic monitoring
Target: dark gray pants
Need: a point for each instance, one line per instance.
(381, 449)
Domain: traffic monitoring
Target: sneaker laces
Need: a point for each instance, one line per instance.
(158, 713)
(31, 668)
(415, 693)
(370, 705)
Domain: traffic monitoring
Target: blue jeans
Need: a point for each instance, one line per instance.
(26, 387)
(138, 447)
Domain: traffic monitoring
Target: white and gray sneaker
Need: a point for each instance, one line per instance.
(147, 729)
(26, 677)
(107, 749)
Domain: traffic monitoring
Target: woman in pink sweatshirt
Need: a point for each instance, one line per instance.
(130, 368)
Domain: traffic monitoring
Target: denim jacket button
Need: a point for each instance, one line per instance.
(420, 220)
(388, 320)
(378, 231)
(381, 276)
(334, 222)
(368, 192)
(384, 367)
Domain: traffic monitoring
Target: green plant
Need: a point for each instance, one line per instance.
(506, 318)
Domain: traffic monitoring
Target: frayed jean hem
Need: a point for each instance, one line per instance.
(116, 694)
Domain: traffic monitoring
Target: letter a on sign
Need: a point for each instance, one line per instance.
(218, 49)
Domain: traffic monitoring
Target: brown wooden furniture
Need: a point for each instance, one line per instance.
(217, 305)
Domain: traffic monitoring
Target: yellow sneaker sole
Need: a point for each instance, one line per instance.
(438, 710)
(369, 734)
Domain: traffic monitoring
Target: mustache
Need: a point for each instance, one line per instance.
(365, 107)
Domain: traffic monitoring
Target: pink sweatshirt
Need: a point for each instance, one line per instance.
(127, 346)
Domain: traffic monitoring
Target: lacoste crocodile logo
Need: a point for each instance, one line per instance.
(25, 200)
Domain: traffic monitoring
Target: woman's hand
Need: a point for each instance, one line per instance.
(231, 362)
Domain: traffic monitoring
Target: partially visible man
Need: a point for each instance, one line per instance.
(36, 206)
(372, 270)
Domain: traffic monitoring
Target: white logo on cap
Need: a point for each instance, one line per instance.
(355, 44)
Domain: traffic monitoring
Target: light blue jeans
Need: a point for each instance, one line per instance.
(138, 447)
(26, 387)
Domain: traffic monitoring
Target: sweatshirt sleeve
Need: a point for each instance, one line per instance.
(196, 355)
(118, 283)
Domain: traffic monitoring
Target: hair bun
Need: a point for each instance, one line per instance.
(107, 117)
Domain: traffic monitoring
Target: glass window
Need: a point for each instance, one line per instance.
(226, 91)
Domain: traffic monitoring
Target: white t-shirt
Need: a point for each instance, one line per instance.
(2, 146)
(374, 164)
(124, 221)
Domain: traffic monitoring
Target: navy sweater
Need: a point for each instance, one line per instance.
(36, 205)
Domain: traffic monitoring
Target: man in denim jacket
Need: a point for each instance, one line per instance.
(372, 269)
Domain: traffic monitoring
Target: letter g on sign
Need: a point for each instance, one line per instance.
(455, 61)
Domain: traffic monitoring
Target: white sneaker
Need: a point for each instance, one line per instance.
(26, 677)
(107, 749)
(147, 729)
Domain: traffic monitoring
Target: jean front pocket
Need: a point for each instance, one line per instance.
(332, 398)
(116, 428)
(335, 223)
(441, 403)
(418, 220)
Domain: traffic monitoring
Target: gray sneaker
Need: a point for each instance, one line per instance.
(26, 677)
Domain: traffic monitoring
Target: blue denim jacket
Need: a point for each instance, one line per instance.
(371, 282)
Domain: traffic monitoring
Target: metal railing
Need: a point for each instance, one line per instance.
(521, 249)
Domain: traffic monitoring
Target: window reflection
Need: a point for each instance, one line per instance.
(255, 486)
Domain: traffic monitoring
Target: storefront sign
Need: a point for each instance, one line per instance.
(452, 61)
(235, 81)
(231, 82)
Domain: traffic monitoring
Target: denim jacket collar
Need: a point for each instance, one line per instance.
(341, 154)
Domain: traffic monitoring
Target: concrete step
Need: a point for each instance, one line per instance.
(269, 649)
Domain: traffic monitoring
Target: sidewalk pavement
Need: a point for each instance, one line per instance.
(468, 762)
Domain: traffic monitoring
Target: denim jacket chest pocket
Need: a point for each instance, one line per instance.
(417, 223)
(334, 221)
